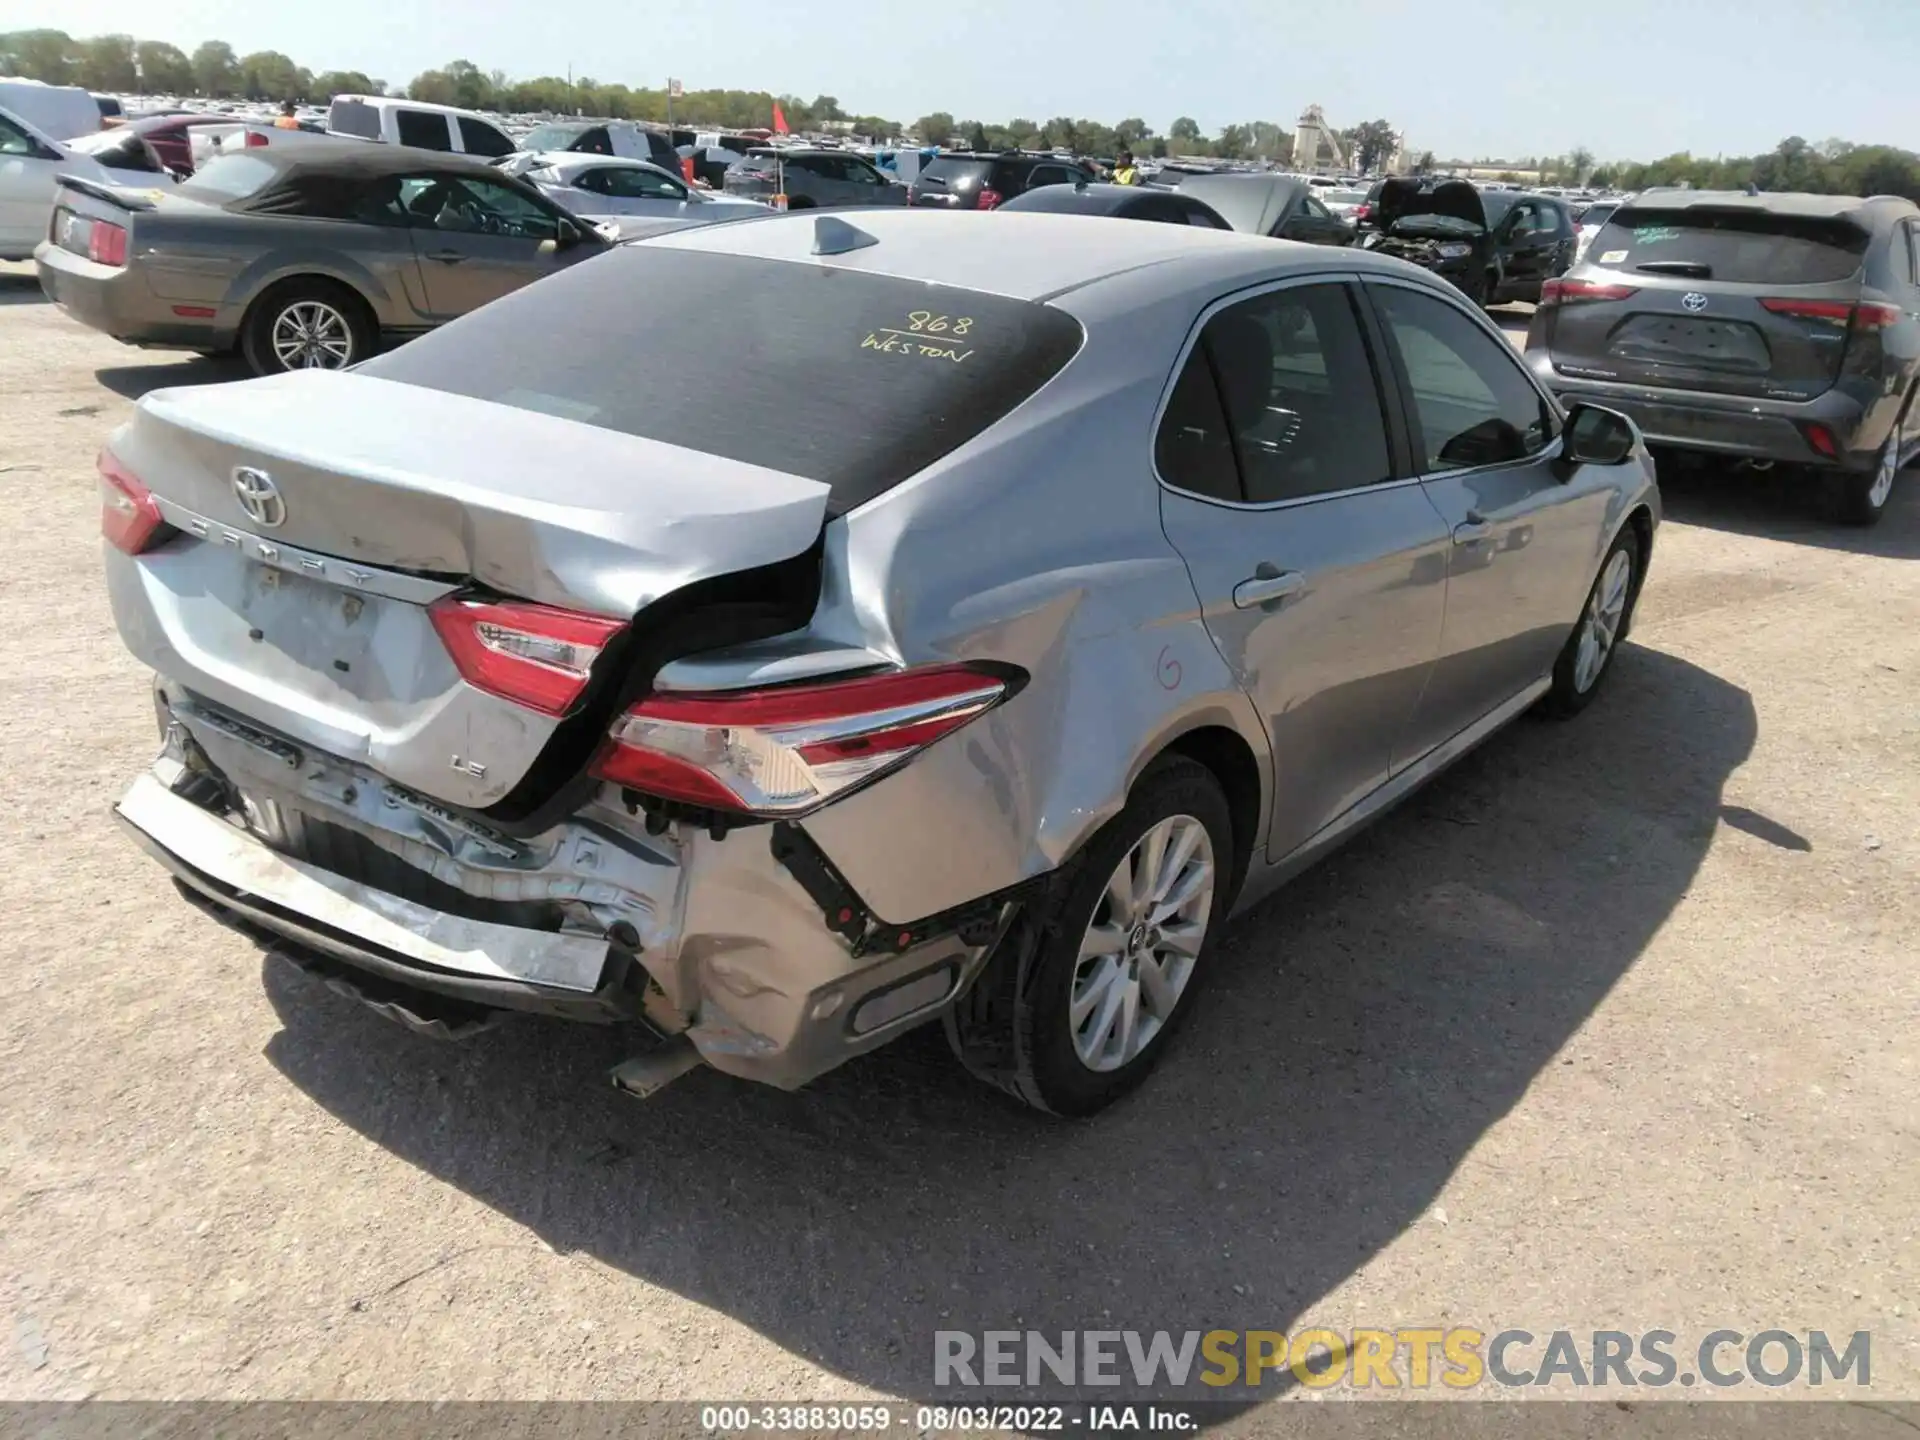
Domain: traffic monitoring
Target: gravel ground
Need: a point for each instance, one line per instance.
(1612, 1027)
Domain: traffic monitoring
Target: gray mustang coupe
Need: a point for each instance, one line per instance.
(303, 258)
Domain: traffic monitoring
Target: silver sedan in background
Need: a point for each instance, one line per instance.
(603, 185)
(557, 663)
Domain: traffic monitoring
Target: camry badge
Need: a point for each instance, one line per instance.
(259, 496)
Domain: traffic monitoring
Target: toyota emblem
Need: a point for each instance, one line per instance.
(1694, 301)
(259, 497)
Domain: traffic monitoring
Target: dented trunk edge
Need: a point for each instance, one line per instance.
(739, 944)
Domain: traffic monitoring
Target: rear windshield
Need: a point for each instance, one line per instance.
(953, 172)
(354, 117)
(852, 379)
(227, 178)
(1749, 247)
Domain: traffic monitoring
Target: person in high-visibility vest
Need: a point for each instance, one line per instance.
(286, 121)
(1123, 171)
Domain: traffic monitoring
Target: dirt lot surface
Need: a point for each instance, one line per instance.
(1612, 1027)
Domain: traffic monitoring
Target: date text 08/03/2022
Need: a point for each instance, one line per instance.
(746, 1419)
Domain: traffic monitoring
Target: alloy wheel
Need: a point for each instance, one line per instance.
(1141, 945)
(312, 335)
(1600, 626)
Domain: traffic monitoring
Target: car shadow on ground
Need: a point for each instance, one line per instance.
(20, 289)
(134, 381)
(1786, 504)
(1360, 1033)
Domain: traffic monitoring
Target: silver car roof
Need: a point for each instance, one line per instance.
(1025, 256)
(567, 162)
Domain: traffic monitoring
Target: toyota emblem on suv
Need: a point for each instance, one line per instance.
(1694, 301)
(259, 496)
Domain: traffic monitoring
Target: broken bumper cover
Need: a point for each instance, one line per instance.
(715, 939)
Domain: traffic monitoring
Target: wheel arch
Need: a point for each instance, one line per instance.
(1225, 753)
(1640, 521)
(323, 278)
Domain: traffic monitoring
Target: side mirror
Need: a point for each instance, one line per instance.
(1595, 436)
(567, 236)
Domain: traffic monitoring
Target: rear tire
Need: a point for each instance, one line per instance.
(1073, 951)
(305, 324)
(1587, 657)
(1859, 497)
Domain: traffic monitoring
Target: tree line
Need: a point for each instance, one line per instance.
(123, 64)
(213, 69)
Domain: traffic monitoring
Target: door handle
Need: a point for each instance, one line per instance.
(446, 257)
(1267, 588)
(1476, 527)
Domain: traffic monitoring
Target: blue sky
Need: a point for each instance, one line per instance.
(1626, 78)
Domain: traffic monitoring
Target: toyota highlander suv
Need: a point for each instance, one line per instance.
(1771, 329)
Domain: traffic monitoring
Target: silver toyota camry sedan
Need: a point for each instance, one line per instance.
(780, 635)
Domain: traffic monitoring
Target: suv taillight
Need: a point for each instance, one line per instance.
(539, 656)
(1573, 292)
(256, 141)
(1867, 315)
(107, 243)
(129, 518)
(786, 750)
(989, 198)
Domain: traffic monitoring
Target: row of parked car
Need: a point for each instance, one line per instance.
(1774, 329)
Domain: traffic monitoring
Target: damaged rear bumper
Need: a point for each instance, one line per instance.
(388, 895)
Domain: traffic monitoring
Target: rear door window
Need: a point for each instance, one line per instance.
(1296, 409)
(1747, 247)
(423, 129)
(480, 138)
(737, 353)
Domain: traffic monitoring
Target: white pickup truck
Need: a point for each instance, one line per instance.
(368, 117)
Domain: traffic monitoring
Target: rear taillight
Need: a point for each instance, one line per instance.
(107, 243)
(785, 751)
(989, 198)
(1867, 315)
(129, 518)
(1362, 211)
(256, 141)
(1839, 312)
(539, 656)
(1575, 292)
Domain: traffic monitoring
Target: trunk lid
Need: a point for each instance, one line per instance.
(309, 615)
(533, 505)
(1735, 301)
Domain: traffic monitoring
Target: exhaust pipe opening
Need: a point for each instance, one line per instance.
(650, 1072)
